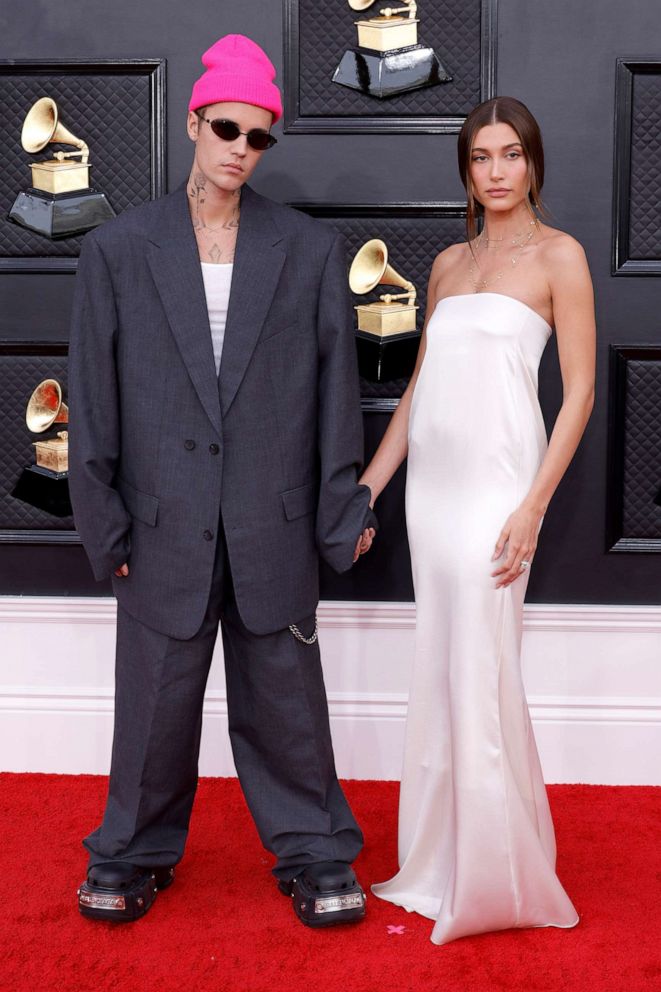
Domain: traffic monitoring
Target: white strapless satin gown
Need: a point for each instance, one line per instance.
(476, 841)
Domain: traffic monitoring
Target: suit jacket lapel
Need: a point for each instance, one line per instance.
(258, 262)
(175, 265)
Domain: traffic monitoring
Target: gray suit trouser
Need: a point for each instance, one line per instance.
(279, 731)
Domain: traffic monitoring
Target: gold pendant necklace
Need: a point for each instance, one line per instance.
(479, 283)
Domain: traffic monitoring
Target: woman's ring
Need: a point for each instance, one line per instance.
(524, 564)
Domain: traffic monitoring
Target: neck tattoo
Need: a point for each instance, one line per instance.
(197, 193)
(217, 242)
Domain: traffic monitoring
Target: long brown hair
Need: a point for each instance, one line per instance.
(501, 110)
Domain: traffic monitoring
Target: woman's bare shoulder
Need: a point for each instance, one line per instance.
(449, 256)
(559, 248)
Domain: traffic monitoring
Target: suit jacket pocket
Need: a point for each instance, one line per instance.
(298, 502)
(274, 332)
(140, 505)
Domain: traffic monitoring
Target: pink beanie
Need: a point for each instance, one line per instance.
(238, 71)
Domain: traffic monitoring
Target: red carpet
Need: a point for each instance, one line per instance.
(227, 928)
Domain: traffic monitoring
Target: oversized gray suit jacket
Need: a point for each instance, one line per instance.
(160, 446)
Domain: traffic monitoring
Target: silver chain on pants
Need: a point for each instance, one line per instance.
(301, 637)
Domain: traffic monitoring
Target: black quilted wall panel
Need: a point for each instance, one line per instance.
(113, 111)
(450, 27)
(645, 217)
(642, 450)
(462, 33)
(19, 374)
(634, 478)
(636, 248)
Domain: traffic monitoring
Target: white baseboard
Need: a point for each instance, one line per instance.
(593, 677)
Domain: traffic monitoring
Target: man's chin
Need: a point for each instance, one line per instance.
(229, 183)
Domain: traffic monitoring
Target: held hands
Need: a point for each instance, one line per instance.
(122, 571)
(520, 535)
(364, 543)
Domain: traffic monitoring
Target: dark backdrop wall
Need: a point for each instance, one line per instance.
(558, 57)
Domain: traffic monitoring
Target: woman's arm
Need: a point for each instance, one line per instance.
(573, 311)
(394, 445)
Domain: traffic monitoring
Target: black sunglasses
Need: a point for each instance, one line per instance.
(229, 131)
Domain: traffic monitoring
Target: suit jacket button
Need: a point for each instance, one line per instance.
(189, 445)
(208, 535)
(214, 449)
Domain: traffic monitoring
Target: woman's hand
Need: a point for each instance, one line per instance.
(520, 535)
(364, 543)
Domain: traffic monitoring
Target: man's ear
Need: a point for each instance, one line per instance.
(192, 125)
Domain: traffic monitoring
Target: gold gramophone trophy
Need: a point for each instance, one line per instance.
(46, 484)
(60, 201)
(388, 59)
(387, 339)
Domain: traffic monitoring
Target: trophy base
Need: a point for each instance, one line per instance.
(60, 215)
(382, 320)
(384, 359)
(384, 74)
(44, 490)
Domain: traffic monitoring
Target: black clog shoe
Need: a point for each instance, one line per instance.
(326, 893)
(121, 892)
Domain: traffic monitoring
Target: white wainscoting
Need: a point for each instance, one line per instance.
(592, 673)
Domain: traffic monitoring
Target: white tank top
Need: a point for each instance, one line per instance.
(217, 281)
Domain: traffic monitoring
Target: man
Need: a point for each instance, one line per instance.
(214, 448)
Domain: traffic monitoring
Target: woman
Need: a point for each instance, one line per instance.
(476, 840)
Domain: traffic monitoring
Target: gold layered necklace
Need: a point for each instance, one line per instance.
(517, 241)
